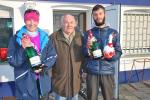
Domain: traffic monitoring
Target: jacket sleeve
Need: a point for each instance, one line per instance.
(48, 55)
(117, 46)
(16, 54)
(84, 42)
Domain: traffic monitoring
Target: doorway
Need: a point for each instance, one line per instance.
(80, 17)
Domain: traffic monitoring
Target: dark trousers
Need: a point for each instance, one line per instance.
(105, 82)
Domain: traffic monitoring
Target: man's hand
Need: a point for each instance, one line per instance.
(108, 52)
(108, 55)
(89, 43)
(40, 69)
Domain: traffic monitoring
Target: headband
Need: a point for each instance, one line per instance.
(31, 16)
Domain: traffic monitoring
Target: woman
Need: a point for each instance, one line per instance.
(26, 78)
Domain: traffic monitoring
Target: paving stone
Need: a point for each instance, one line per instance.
(135, 91)
(131, 98)
(132, 91)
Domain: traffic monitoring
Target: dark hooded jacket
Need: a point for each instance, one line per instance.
(102, 66)
(25, 78)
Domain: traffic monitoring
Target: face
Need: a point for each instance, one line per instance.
(68, 24)
(31, 25)
(99, 17)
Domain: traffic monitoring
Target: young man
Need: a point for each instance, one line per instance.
(66, 71)
(100, 70)
(26, 78)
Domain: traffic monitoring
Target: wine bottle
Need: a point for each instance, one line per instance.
(109, 48)
(94, 47)
(34, 58)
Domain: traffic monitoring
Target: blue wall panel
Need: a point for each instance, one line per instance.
(136, 76)
(123, 2)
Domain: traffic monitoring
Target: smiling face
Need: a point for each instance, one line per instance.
(31, 25)
(68, 24)
(31, 19)
(99, 17)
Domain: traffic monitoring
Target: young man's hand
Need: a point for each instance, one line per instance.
(108, 55)
(89, 43)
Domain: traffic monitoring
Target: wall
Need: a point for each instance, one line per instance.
(46, 12)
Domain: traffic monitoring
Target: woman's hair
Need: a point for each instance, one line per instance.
(31, 14)
(31, 10)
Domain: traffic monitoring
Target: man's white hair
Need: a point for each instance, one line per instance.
(62, 18)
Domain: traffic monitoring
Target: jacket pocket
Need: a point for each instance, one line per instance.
(93, 65)
(107, 66)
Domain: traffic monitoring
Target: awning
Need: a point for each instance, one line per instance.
(122, 2)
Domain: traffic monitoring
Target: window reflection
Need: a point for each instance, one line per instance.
(6, 31)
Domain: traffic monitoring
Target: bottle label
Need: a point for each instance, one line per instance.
(97, 53)
(35, 60)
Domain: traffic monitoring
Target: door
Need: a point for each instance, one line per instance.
(113, 17)
(80, 16)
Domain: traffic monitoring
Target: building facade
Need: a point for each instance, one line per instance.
(131, 21)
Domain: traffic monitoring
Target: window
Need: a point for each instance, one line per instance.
(6, 31)
(136, 32)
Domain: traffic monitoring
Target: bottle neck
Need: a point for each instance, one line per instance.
(110, 39)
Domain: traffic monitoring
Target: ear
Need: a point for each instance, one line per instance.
(76, 23)
(105, 15)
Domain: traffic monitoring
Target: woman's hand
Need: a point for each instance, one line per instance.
(26, 42)
(40, 69)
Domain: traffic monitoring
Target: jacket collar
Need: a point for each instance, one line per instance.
(60, 36)
(43, 36)
(101, 29)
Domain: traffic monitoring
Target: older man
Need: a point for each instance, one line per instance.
(66, 71)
